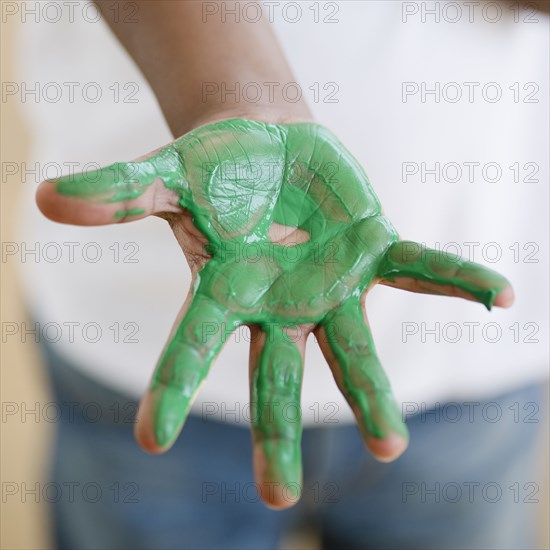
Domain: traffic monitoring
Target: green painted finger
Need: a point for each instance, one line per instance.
(276, 415)
(119, 192)
(184, 365)
(119, 182)
(413, 260)
(359, 374)
(124, 181)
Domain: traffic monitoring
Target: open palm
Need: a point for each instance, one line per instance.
(283, 233)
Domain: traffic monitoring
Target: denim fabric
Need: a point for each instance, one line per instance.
(470, 479)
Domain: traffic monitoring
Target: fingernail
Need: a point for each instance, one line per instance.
(170, 411)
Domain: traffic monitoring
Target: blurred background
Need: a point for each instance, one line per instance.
(25, 443)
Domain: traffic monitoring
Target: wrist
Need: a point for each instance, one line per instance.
(261, 113)
(207, 114)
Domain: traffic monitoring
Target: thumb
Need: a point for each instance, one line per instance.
(124, 191)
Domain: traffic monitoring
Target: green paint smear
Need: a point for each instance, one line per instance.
(128, 213)
(237, 178)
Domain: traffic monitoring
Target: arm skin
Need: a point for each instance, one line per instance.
(177, 52)
(540, 5)
(330, 217)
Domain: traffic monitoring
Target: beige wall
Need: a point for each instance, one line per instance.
(24, 445)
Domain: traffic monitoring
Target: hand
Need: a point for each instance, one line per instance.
(283, 233)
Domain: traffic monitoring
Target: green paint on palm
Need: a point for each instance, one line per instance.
(238, 178)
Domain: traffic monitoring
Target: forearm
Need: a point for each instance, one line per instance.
(540, 5)
(528, 5)
(184, 54)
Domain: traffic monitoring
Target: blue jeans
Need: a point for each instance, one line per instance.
(470, 479)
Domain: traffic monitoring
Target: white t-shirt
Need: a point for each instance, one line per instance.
(415, 96)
